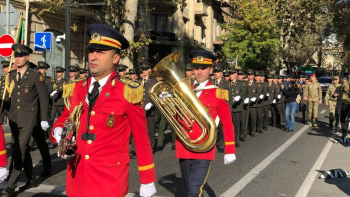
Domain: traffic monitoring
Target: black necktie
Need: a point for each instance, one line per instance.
(195, 85)
(19, 77)
(94, 94)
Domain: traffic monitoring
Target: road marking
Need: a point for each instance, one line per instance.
(244, 181)
(323, 111)
(310, 178)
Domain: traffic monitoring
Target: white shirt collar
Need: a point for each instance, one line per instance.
(102, 82)
(201, 84)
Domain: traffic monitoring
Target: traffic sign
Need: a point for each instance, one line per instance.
(6, 42)
(43, 41)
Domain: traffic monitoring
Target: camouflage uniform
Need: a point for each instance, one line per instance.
(332, 102)
(313, 92)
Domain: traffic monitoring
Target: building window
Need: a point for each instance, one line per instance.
(159, 22)
(203, 35)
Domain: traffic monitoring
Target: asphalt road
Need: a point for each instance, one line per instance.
(274, 163)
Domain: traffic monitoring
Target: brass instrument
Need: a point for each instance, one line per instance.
(67, 144)
(182, 103)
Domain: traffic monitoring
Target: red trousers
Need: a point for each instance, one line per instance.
(3, 155)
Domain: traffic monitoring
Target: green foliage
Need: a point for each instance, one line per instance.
(252, 35)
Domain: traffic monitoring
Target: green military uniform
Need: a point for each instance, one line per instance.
(237, 93)
(313, 92)
(245, 110)
(6, 103)
(221, 83)
(261, 92)
(332, 102)
(252, 95)
(271, 91)
(280, 104)
(57, 100)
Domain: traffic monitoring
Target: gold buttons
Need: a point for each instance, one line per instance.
(87, 157)
(118, 163)
(92, 113)
(89, 141)
(18, 86)
(18, 93)
(91, 127)
(18, 100)
(18, 107)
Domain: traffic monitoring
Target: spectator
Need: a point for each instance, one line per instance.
(291, 106)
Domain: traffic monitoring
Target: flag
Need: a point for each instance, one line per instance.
(236, 62)
(20, 36)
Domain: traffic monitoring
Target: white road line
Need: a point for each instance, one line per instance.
(306, 186)
(244, 181)
(323, 111)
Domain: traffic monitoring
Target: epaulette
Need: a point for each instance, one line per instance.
(68, 89)
(133, 90)
(221, 94)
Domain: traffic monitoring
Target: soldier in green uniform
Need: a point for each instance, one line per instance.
(73, 73)
(28, 91)
(331, 102)
(313, 96)
(251, 100)
(227, 76)
(121, 70)
(265, 108)
(189, 74)
(261, 92)
(237, 91)
(83, 73)
(244, 112)
(221, 83)
(6, 104)
(281, 117)
(271, 100)
(132, 74)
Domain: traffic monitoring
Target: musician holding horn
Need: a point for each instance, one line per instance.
(110, 112)
(195, 166)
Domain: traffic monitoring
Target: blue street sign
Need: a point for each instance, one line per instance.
(43, 41)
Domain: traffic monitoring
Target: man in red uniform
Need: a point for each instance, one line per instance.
(110, 113)
(195, 166)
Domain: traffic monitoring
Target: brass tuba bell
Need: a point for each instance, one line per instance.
(182, 105)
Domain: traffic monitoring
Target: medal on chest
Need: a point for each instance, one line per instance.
(110, 121)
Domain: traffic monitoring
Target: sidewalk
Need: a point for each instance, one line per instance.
(337, 157)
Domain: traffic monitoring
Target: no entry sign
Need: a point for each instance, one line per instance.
(6, 42)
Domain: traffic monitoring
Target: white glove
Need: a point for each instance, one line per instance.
(279, 96)
(57, 132)
(246, 100)
(3, 173)
(267, 94)
(229, 158)
(148, 106)
(261, 96)
(148, 190)
(44, 125)
(53, 93)
(237, 98)
(274, 101)
(253, 99)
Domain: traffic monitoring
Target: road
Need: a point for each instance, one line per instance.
(275, 163)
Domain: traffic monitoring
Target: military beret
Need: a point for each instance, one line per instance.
(145, 65)
(43, 65)
(104, 37)
(73, 69)
(132, 71)
(60, 69)
(83, 70)
(189, 67)
(313, 75)
(21, 50)
(250, 72)
(5, 64)
(201, 58)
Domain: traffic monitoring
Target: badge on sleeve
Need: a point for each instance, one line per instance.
(110, 121)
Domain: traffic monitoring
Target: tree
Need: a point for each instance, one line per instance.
(252, 35)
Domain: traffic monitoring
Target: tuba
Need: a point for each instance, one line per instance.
(183, 105)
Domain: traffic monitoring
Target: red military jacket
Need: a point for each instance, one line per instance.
(102, 166)
(217, 107)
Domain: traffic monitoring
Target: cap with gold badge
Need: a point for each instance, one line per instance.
(73, 69)
(201, 58)
(60, 69)
(104, 37)
(21, 50)
(43, 65)
(5, 64)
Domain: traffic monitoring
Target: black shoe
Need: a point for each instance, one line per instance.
(265, 128)
(221, 150)
(273, 125)
(132, 155)
(242, 139)
(158, 148)
(261, 131)
(284, 129)
(29, 184)
(237, 145)
(173, 147)
(343, 135)
(330, 125)
(46, 172)
(33, 148)
(9, 192)
(52, 145)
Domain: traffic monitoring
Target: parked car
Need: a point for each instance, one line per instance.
(325, 82)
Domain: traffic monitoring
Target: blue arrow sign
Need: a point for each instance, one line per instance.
(43, 41)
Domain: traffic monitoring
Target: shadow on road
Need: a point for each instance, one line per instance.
(343, 184)
(176, 186)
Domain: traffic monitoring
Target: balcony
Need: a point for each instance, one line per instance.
(200, 9)
(222, 3)
(185, 13)
(162, 3)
